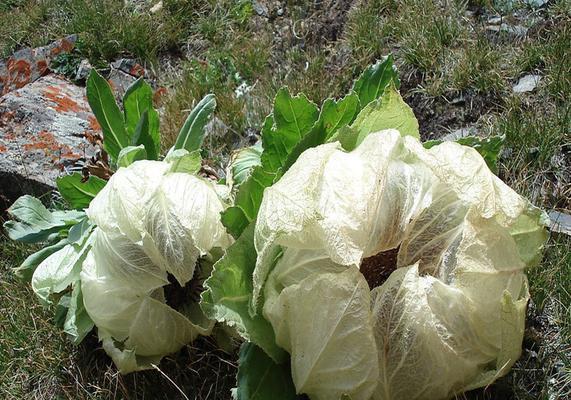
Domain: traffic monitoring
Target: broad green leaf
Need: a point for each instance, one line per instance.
(183, 161)
(147, 134)
(247, 201)
(77, 322)
(58, 271)
(77, 192)
(79, 232)
(260, 378)
(191, 135)
(102, 102)
(375, 79)
(130, 154)
(60, 313)
(388, 112)
(235, 220)
(137, 99)
(228, 292)
(334, 115)
(242, 162)
(27, 268)
(34, 223)
(293, 118)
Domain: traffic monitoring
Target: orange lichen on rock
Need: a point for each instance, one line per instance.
(3, 148)
(42, 67)
(137, 70)
(19, 73)
(63, 102)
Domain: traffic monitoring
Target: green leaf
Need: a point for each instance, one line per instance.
(260, 378)
(62, 307)
(293, 118)
(137, 99)
(375, 79)
(183, 161)
(79, 232)
(334, 115)
(130, 154)
(247, 201)
(77, 322)
(242, 162)
(388, 112)
(78, 193)
(228, 292)
(191, 135)
(27, 268)
(62, 268)
(147, 134)
(489, 148)
(102, 102)
(34, 223)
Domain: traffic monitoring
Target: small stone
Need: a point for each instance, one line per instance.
(460, 133)
(260, 9)
(157, 7)
(513, 30)
(280, 12)
(527, 83)
(497, 20)
(560, 222)
(83, 70)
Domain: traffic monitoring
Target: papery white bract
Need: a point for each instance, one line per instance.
(150, 223)
(450, 316)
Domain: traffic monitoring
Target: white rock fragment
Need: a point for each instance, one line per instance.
(560, 222)
(527, 83)
(460, 133)
(157, 7)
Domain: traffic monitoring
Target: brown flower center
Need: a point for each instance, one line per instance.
(376, 269)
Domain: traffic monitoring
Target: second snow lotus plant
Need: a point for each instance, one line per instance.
(370, 265)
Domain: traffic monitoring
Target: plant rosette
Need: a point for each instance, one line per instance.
(157, 235)
(394, 271)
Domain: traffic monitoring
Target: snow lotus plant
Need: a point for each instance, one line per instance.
(394, 272)
(368, 265)
(131, 256)
(151, 223)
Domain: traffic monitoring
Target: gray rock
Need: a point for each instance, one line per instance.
(527, 83)
(46, 128)
(129, 66)
(27, 65)
(460, 133)
(260, 9)
(512, 30)
(559, 222)
(497, 20)
(120, 82)
(83, 70)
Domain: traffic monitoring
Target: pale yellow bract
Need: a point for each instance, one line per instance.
(451, 315)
